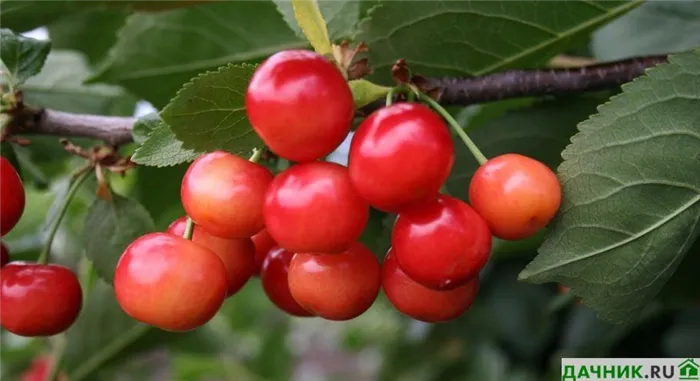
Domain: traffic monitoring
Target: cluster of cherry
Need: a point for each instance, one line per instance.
(300, 228)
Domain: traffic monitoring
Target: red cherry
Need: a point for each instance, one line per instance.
(274, 275)
(170, 282)
(515, 194)
(237, 255)
(38, 300)
(11, 196)
(300, 105)
(263, 244)
(224, 194)
(4, 254)
(335, 286)
(39, 370)
(404, 135)
(442, 244)
(422, 303)
(314, 208)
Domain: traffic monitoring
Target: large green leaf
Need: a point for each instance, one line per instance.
(60, 86)
(156, 53)
(208, 113)
(20, 57)
(341, 17)
(477, 37)
(631, 205)
(110, 226)
(656, 27)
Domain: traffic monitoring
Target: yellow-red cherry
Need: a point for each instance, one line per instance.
(442, 243)
(274, 275)
(11, 196)
(314, 208)
(170, 282)
(38, 300)
(263, 244)
(237, 255)
(422, 303)
(224, 194)
(403, 135)
(300, 105)
(335, 286)
(515, 194)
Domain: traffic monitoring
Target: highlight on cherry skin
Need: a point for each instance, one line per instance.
(515, 194)
(38, 300)
(170, 282)
(237, 255)
(12, 197)
(274, 275)
(403, 135)
(300, 104)
(314, 208)
(335, 286)
(422, 303)
(441, 244)
(224, 193)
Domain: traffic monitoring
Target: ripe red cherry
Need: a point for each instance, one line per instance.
(263, 244)
(4, 255)
(170, 282)
(422, 303)
(335, 286)
(274, 276)
(39, 370)
(404, 135)
(237, 255)
(515, 194)
(38, 300)
(224, 194)
(313, 208)
(300, 105)
(11, 196)
(442, 244)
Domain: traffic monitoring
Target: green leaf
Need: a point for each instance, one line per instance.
(464, 38)
(365, 92)
(341, 16)
(101, 25)
(313, 25)
(631, 194)
(110, 227)
(156, 53)
(144, 126)
(25, 15)
(60, 86)
(656, 27)
(162, 149)
(208, 113)
(684, 286)
(22, 57)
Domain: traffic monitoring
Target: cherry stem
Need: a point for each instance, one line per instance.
(59, 346)
(455, 126)
(189, 229)
(391, 94)
(257, 153)
(77, 182)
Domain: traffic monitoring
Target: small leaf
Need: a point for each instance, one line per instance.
(162, 149)
(208, 113)
(110, 226)
(311, 22)
(365, 92)
(22, 57)
(341, 16)
(144, 126)
(631, 194)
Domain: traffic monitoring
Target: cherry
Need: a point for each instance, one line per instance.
(237, 255)
(39, 370)
(442, 244)
(224, 194)
(404, 135)
(11, 196)
(263, 244)
(314, 208)
(515, 194)
(336, 286)
(300, 105)
(38, 300)
(274, 275)
(422, 303)
(170, 282)
(4, 255)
